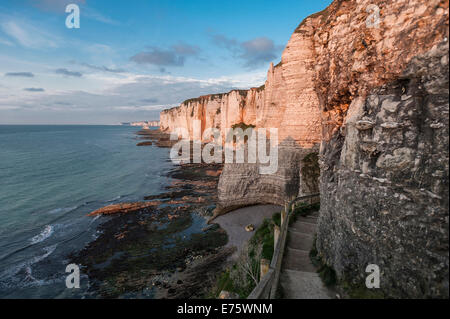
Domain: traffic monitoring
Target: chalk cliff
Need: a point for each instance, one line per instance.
(368, 80)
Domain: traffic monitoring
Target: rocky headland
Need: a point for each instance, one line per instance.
(362, 86)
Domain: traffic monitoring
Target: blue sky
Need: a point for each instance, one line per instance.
(130, 59)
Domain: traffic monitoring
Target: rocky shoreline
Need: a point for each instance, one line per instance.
(161, 247)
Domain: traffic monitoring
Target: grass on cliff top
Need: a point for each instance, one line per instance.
(212, 97)
(242, 126)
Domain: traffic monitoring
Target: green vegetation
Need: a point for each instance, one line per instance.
(276, 218)
(243, 93)
(242, 126)
(117, 265)
(197, 99)
(243, 276)
(264, 236)
(326, 273)
(360, 291)
(303, 209)
(329, 278)
(218, 96)
(324, 14)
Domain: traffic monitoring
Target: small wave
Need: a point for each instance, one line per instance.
(94, 219)
(13, 271)
(46, 233)
(116, 198)
(62, 210)
(48, 251)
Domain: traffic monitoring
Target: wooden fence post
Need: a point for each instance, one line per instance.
(264, 268)
(276, 235)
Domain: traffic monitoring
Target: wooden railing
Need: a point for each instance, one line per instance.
(268, 284)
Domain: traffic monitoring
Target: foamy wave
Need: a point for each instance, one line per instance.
(13, 271)
(46, 233)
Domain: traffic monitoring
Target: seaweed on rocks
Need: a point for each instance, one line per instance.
(165, 250)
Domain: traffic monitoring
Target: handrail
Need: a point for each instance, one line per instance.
(268, 285)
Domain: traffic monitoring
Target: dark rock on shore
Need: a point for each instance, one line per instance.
(122, 208)
(160, 248)
(158, 137)
(145, 144)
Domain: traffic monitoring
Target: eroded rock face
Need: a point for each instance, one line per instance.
(242, 184)
(384, 189)
(384, 153)
(374, 94)
(219, 111)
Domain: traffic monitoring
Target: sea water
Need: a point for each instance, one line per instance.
(51, 177)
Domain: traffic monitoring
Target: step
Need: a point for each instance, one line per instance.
(311, 219)
(302, 285)
(295, 259)
(304, 227)
(300, 241)
(315, 214)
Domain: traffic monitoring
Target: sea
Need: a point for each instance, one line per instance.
(51, 177)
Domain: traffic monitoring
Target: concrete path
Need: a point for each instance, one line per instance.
(234, 223)
(299, 279)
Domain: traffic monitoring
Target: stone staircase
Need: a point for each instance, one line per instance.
(298, 278)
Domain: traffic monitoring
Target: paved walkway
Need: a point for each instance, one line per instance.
(299, 279)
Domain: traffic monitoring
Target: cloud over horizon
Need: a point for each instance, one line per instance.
(20, 74)
(138, 97)
(102, 68)
(102, 73)
(66, 72)
(34, 89)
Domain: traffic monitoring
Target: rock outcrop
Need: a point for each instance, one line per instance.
(287, 101)
(383, 95)
(369, 81)
(384, 184)
(123, 208)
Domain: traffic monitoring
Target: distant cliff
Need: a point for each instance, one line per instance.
(374, 94)
(280, 103)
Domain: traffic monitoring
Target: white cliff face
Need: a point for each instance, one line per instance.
(287, 102)
(375, 98)
(220, 111)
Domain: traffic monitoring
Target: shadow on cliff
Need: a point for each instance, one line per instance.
(242, 185)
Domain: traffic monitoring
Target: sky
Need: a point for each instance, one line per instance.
(131, 59)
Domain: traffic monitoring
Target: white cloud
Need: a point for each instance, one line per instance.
(6, 42)
(97, 16)
(125, 97)
(28, 35)
(254, 53)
